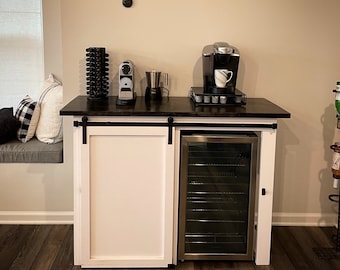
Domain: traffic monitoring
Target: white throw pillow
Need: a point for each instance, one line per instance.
(50, 129)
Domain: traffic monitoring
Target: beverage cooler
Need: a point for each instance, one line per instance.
(217, 195)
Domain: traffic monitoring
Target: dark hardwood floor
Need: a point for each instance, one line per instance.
(44, 247)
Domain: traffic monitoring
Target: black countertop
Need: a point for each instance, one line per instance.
(172, 106)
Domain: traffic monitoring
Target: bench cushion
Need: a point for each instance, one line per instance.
(32, 151)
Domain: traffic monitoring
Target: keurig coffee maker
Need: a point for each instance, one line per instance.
(220, 67)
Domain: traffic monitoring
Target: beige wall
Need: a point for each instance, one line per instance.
(290, 54)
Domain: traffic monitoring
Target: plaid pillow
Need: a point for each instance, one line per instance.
(28, 113)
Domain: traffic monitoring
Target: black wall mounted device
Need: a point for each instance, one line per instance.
(127, 3)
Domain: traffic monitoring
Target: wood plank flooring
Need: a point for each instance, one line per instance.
(45, 247)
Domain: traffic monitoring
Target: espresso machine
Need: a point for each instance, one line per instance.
(126, 93)
(155, 81)
(220, 63)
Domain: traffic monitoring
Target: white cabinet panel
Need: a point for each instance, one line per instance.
(127, 198)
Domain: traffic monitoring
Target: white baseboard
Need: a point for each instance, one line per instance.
(36, 217)
(304, 219)
(66, 217)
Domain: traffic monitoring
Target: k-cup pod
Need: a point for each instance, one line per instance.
(198, 99)
(223, 99)
(214, 99)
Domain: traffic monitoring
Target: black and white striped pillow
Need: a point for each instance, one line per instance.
(28, 113)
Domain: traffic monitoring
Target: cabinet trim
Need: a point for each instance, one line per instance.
(170, 124)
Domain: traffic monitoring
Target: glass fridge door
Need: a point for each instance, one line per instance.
(217, 186)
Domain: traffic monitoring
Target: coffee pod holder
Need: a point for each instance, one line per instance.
(97, 75)
(200, 98)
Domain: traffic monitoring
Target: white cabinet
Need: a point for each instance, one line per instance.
(124, 186)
